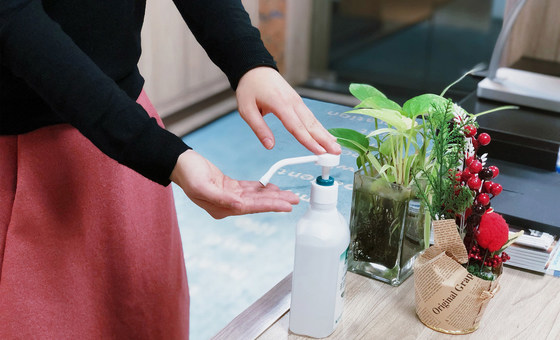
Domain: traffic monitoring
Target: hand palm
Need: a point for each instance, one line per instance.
(222, 196)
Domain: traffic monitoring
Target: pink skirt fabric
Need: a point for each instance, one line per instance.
(89, 249)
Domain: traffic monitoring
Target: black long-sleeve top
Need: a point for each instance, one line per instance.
(75, 61)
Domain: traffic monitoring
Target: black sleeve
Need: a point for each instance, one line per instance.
(224, 30)
(35, 48)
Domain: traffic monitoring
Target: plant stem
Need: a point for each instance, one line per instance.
(483, 261)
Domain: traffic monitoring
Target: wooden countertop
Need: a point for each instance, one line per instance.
(527, 306)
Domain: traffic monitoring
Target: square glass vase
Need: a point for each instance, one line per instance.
(386, 229)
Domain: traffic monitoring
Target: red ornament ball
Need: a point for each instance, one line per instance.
(474, 183)
(496, 189)
(475, 167)
(484, 139)
(487, 186)
(483, 199)
(470, 131)
(495, 171)
(493, 231)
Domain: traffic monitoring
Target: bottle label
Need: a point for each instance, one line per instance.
(341, 285)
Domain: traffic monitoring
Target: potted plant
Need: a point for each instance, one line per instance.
(387, 217)
(399, 186)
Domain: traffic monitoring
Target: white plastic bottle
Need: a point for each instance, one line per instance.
(322, 239)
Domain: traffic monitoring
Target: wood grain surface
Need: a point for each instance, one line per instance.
(536, 33)
(526, 307)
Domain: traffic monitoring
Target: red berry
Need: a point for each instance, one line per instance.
(474, 183)
(475, 167)
(487, 186)
(495, 171)
(484, 139)
(469, 160)
(455, 174)
(483, 199)
(465, 175)
(474, 143)
(470, 131)
(496, 189)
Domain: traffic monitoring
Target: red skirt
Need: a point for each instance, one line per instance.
(89, 249)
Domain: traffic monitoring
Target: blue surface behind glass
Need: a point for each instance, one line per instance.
(232, 262)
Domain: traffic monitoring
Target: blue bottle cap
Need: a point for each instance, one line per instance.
(325, 182)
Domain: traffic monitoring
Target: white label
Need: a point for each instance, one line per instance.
(340, 286)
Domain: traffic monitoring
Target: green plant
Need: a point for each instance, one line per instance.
(422, 145)
(398, 151)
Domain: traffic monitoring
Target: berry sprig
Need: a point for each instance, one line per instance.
(475, 175)
(485, 231)
(494, 260)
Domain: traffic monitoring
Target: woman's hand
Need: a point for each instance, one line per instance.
(222, 196)
(263, 90)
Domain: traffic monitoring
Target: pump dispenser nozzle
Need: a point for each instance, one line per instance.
(326, 160)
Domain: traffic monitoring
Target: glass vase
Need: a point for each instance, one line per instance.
(386, 229)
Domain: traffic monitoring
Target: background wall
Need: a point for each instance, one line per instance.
(536, 33)
(178, 72)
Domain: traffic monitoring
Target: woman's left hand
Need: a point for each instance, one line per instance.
(222, 196)
(263, 90)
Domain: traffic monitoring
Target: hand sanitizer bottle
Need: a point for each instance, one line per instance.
(322, 239)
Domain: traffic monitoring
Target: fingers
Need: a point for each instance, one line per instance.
(316, 129)
(252, 188)
(245, 197)
(263, 90)
(254, 198)
(253, 117)
(303, 125)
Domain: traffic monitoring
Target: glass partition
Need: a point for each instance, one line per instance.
(403, 47)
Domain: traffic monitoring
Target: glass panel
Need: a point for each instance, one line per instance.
(404, 47)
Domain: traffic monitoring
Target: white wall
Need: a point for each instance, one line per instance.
(178, 72)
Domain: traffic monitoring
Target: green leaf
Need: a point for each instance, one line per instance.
(510, 241)
(386, 147)
(352, 145)
(359, 162)
(351, 135)
(423, 104)
(382, 131)
(391, 117)
(378, 102)
(378, 167)
(363, 91)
